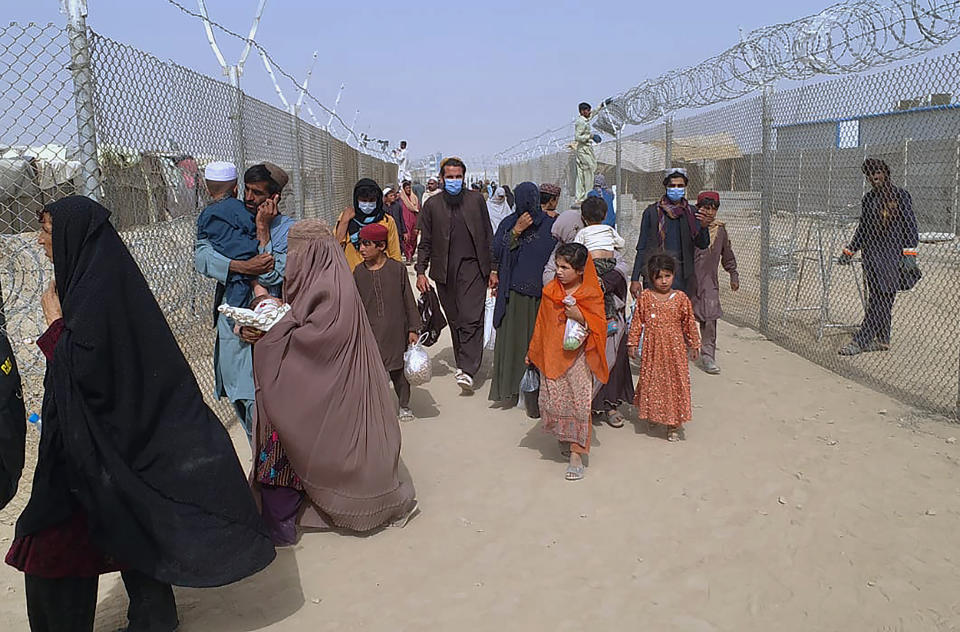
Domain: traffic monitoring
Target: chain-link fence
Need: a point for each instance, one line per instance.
(155, 126)
(789, 168)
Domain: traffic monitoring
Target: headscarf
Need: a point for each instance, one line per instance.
(410, 201)
(322, 386)
(126, 433)
(361, 219)
(511, 200)
(546, 350)
(675, 210)
(600, 181)
(498, 211)
(521, 268)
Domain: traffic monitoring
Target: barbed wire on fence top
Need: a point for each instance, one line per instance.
(360, 145)
(846, 38)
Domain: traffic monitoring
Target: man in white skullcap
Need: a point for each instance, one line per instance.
(433, 188)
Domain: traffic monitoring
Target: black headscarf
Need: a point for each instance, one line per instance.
(127, 437)
(362, 219)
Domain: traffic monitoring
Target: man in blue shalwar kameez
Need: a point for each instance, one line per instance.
(233, 361)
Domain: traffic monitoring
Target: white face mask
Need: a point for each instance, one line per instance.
(367, 207)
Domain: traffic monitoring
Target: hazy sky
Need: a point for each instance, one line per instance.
(467, 78)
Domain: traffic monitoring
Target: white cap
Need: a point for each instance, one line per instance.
(220, 172)
(387, 190)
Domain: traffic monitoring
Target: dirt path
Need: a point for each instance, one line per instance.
(800, 501)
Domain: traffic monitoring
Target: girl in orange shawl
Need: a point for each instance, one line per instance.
(567, 387)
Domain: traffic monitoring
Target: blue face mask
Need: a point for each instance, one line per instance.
(367, 207)
(453, 187)
(675, 194)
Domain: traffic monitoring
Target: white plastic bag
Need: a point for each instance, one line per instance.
(530, 392)
(417, 367)
(573, 335)
(489, 332)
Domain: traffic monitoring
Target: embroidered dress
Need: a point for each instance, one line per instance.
(669, 327)
(565, 404)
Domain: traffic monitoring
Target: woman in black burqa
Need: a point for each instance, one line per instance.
(134, 473)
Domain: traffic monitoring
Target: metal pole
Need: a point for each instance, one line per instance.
(236, 118)
(766, 208)
(668, 142)
(298, 162)
(956, 190)
(76, 11)
(616, 200)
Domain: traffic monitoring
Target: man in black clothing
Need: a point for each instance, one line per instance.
(455, 238)
(670, 226)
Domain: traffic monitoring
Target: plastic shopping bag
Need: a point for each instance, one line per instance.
(530, 392)
(432, 317)
(489, 332)
(416, 364)
(573, 335)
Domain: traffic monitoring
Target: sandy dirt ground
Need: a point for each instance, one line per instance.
(799, 501)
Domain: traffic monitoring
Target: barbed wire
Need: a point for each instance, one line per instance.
(845, 38)
(280, 70)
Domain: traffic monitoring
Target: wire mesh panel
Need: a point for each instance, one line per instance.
(157, 125)
(867, 163)
(38, 164)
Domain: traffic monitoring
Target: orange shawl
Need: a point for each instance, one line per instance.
(546, 346)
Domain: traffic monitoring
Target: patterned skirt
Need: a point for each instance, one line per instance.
(273, 468)
(565, 403)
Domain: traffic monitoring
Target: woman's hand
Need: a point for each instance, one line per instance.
(50, 303)
(250, 335)
(693, 354)
(632, 351)
(413, 337)
(734, 285)
(573, 312)
(523, 223)
(526, 360)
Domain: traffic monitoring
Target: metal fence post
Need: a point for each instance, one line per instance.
(76, 11)
(298, 162)
(616, 200)
(766, 207)
(236, 120)
(668, 142)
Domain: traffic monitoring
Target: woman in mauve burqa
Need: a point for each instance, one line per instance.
(327, 429)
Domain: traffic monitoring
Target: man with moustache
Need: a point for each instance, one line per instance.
(233, 362)
(455, 239)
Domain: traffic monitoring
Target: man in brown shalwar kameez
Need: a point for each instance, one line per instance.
(706, 291)
(455, 238)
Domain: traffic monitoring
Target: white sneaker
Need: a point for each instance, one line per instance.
(465, 382)
(458, 373)
(406, 414)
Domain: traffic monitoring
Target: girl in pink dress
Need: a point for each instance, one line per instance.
(670, 337)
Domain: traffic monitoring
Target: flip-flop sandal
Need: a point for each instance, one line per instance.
(402, 521)
(574, 472)
(615, 419)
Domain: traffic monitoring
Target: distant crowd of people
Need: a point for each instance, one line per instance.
(136, 474)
